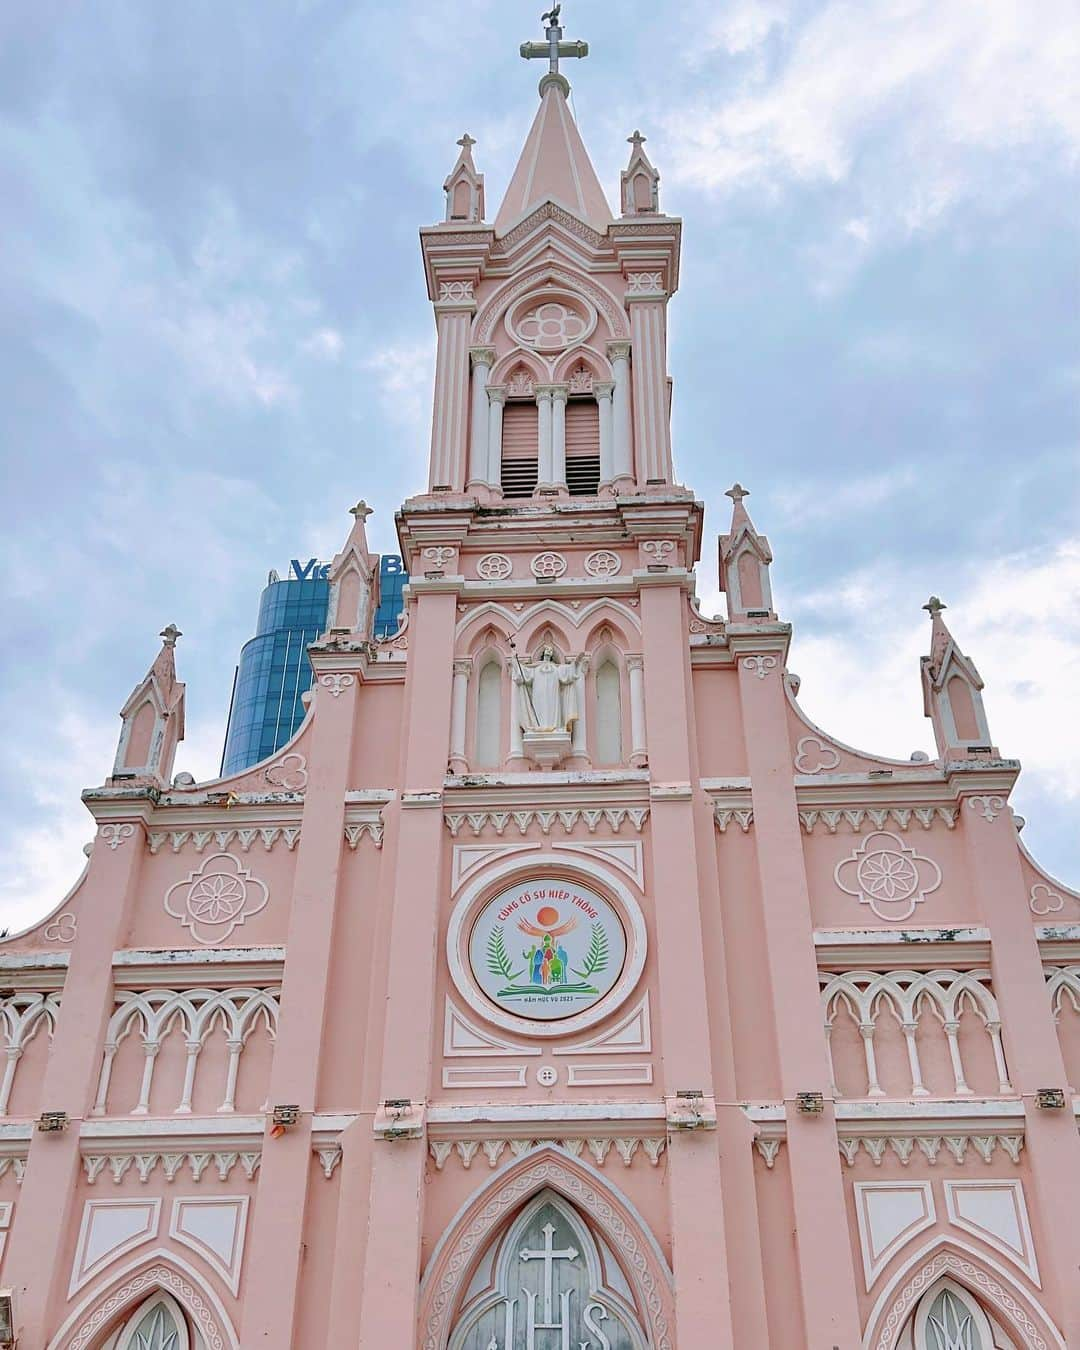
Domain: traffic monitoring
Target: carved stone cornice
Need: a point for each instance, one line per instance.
(901, 948)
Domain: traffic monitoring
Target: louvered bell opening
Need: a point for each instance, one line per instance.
(519, 449)
(583, 447)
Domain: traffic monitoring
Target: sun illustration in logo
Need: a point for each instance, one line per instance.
(547, 923)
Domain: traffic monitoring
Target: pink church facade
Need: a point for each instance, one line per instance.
(559, 985)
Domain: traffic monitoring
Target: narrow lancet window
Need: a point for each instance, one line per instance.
(488, 715)
(608, 714)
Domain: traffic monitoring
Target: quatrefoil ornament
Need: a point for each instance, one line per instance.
(888, 875)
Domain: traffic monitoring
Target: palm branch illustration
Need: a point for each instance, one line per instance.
(497, 959)
(597, 957)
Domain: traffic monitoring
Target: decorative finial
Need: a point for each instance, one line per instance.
(553, 49)
(736, 492)
(361, 510)
(170, 634)
(466, 142)
(637, 140)
(934, 606)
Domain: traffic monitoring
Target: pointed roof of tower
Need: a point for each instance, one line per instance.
(944, 653)
(554, 166)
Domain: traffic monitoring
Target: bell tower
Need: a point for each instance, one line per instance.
(551, 376)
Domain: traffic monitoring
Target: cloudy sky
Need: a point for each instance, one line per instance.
(214, 336)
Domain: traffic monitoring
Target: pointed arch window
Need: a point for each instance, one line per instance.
(488, 751)
(948, 1317)
(609, 742)
(157, 1324)
(548, 1280)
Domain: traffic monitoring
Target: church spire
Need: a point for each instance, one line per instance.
(744, 565)
(152, 719)
(554, 164)
(952, 692)
(464, 187)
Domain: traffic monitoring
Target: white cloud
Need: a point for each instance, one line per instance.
(810, 502)
(1018, 619)
(325, 342)
(404, 377)
(904, 98)
(45, 858)
(739, 28)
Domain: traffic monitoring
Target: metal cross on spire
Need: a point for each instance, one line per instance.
(554, 47)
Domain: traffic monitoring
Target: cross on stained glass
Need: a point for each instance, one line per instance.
(549, 1256)
(554, 46)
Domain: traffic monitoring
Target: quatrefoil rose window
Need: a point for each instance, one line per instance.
(888, 875)
(550, 323)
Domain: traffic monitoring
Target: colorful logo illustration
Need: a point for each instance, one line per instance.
(547, 949)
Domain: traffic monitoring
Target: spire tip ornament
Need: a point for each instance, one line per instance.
(170, 633)
(553, 48)
(934, 606)
(736, 492)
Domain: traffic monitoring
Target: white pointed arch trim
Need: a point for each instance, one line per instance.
(132, 1284)
(546, 1166)
(505, 366)
(975, 1270)
(159, 1298)
(587, 1247)
(496, 306)
(483, 887)
(584, 353)
(573, 618)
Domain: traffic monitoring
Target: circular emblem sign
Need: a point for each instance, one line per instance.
(547, 949)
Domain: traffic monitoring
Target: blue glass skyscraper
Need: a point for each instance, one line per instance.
(274, 671)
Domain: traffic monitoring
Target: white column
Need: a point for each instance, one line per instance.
(559, 395)
(873, 1087)
(14, 1053)
(619, 355)
(496, 395)
(602, 392)
(918, 1088)
(235, 1047)
(639, 753)
(150, 1052)
(103, 1078)
(193, 1048)
(544, 481)
(994, 1030)
(482, 360)
(952, 1031)
(458, 704)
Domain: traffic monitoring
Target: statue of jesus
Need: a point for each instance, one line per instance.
(548, 693)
